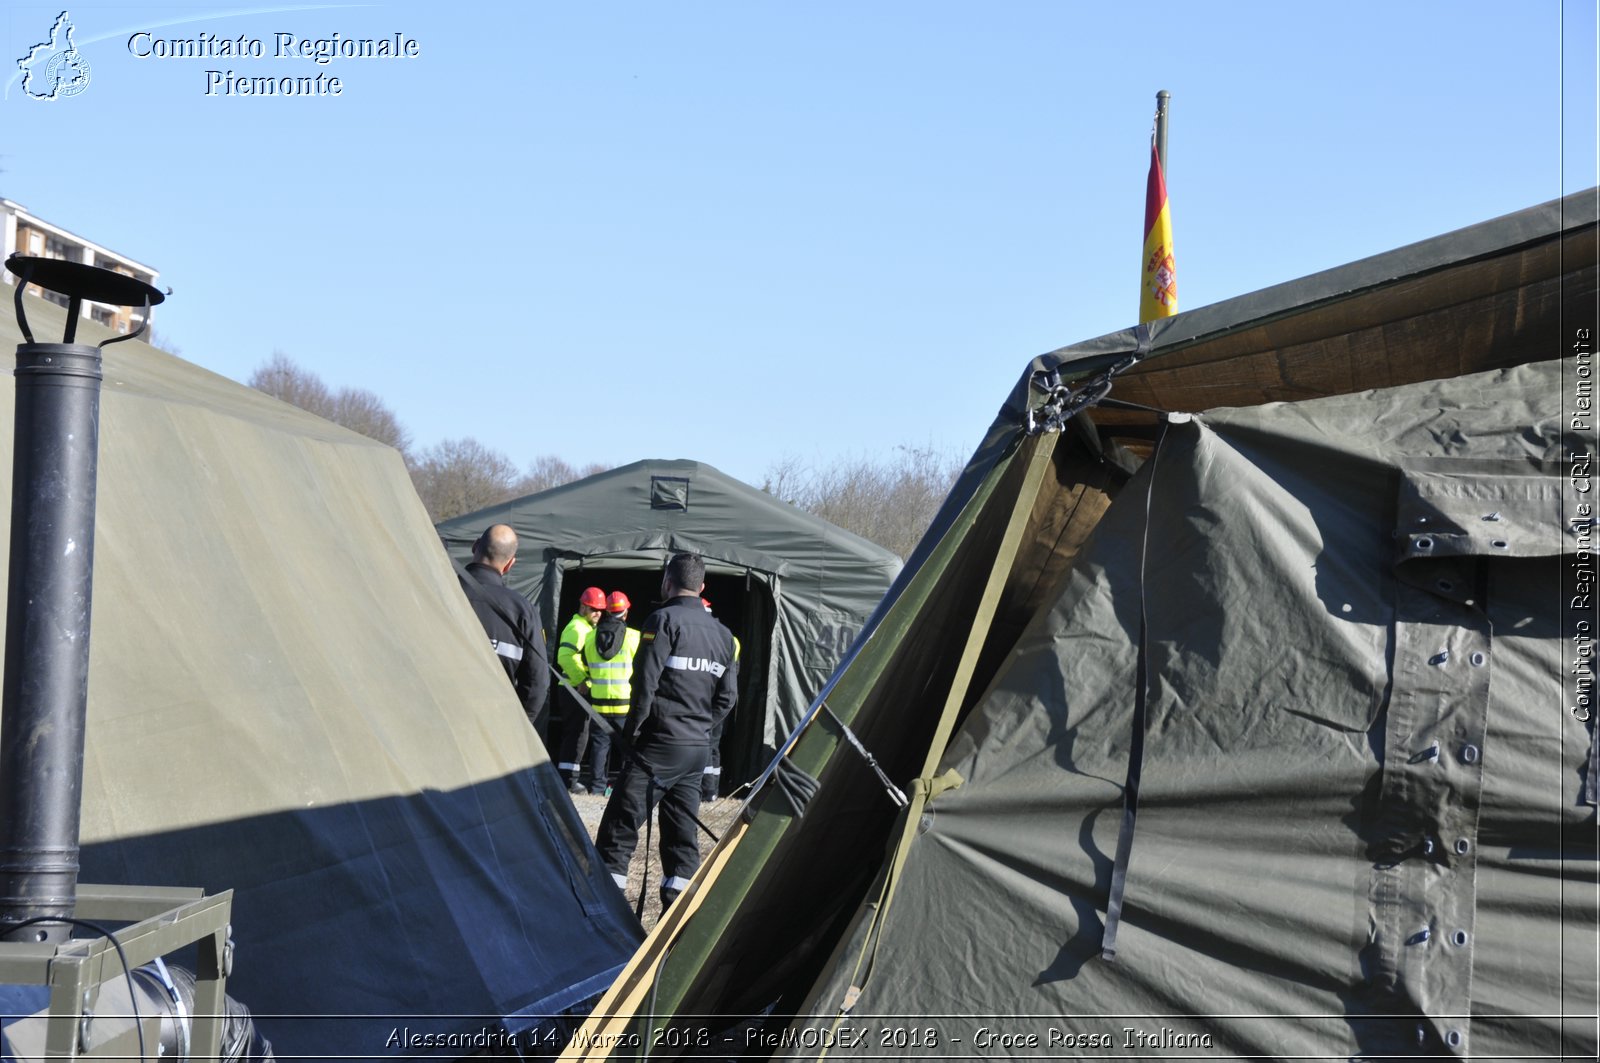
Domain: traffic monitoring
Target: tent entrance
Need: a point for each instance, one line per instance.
(743, 599)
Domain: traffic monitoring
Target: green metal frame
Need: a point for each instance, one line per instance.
(161, 920)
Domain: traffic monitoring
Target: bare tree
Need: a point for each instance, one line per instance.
(787, 479)
(453, 477)
(550, 471)
(281, 378)
(362, 411)
(460, 475)
(889, 502)
(357, 409)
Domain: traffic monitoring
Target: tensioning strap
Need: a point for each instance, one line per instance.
(896, 794)
(1141, 692)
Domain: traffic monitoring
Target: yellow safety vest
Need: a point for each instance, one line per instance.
(569, 654)
(611, 682)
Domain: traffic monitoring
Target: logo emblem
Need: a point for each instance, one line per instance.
(55, 69)
(1162, 272)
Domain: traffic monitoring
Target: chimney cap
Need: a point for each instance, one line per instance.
(82, 281)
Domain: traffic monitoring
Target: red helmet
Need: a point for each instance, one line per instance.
(618, 603)
(592, 598)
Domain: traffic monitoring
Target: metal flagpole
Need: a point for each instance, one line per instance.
(1162, 98)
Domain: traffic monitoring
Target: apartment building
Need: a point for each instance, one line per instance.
(30, 235)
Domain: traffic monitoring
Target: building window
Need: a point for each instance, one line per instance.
(101, 316)
(35, 243)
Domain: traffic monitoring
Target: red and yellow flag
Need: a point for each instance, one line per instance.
(1158, 284)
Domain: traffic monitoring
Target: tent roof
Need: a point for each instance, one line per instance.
(614, 512)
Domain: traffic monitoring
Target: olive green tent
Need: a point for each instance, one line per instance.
(289, 697)
(1244, 713)
(792, 587)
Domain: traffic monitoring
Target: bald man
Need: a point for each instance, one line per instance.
(510, 621)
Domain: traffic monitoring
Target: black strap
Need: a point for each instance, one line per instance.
(1141, 690)
(644, 876)
(583, 703)
(1130, 810)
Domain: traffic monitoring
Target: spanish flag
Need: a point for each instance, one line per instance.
(1158, 284)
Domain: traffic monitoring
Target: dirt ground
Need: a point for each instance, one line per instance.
(719, 815)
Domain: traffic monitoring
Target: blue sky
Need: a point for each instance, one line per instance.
(739, 231)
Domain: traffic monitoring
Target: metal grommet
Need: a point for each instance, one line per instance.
(1453, 1038)
(1463, 846)
(1439, 658)
(1458, 938)
(1469, 754)
(1499, 544)
(1427, 846)
(1424, 543)
(1445, 585)
(1478, 660)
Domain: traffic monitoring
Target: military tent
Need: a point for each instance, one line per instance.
(289, 697)
(1265, 730)
(792, 587)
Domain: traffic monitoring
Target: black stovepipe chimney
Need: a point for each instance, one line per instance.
(46, 686)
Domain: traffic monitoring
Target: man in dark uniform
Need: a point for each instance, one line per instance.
(510, 621)
(685, 680)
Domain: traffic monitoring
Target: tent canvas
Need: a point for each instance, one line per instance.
(1329, 619)
(289, 697)
(795, 589)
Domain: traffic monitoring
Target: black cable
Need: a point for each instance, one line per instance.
(127, 972)
(795, 786)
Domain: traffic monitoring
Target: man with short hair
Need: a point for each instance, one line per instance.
(685, 680)
(569, 658)
(509, 620)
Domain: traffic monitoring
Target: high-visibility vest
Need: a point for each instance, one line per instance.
(569, 654)
(611, 682)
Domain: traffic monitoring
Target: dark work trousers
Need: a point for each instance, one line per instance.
(541, 722)
(676, 787)
(600, 753)
(711, 777)
(574, 733)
